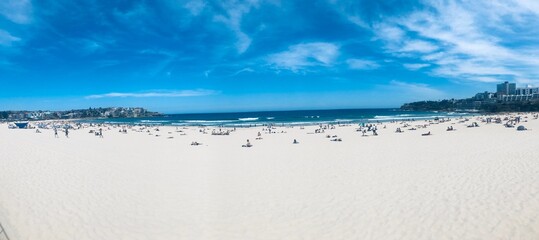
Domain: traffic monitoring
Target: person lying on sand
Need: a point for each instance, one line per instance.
(474, 124)
(248, 144)
(426, 134)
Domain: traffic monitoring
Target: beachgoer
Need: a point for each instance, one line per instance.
(248, 144)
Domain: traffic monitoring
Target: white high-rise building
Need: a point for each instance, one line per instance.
(527, 91)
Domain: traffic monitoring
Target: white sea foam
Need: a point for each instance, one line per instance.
(344, 120)
(154, 121)
(208, 121)
(248, 119)
(383, 117)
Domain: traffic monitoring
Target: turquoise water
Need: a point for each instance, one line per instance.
(302, 117)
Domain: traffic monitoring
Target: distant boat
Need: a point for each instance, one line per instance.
(22, 124)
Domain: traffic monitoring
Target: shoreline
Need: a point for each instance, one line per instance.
(105, 120)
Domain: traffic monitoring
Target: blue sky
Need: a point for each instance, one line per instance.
(178, 56)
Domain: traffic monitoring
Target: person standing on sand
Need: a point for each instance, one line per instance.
(101, 132)
(67, 132)
(55, 132)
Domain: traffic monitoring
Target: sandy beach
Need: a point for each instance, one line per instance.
(470, 183)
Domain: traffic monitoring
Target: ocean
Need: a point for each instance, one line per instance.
(300, 117)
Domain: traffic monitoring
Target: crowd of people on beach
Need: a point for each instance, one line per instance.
(365, 128)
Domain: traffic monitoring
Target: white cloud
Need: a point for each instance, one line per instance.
(234, 14)
(179, 93)
(243, 71)
(397, 41)
(473, 69)
(415, 66)
(527, 82)
(531, 5)
(418, 90)
(470, 40)
(6, 39)
(195, 6)
(17, 11)
(304, 55)
(419, 46)
(361, 64)
(391, 33)
(243, 41)
(346, 10)
(486, 79)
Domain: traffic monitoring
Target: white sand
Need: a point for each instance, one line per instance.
(473, 183)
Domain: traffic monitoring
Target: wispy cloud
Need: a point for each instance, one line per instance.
(195, 7)
(349, 11)
(419, 46)
(486, 79)
(418, 90)
(391, 33)
(6, 39)
(415, 66)
(362, 64)
(243, 71)
(17, 11)
(301, 56)
(232, 19)
(164, 93)
(465, 41)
